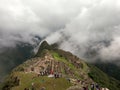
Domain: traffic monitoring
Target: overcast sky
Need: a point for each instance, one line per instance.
(77, 25)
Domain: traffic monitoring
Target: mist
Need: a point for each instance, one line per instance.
(93, 34)
(87, 28)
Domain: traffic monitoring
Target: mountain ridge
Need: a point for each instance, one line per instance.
(59, 64)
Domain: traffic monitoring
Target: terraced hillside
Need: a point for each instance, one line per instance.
(55, 69)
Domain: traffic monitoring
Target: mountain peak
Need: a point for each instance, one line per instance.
(44, 46)
(44, 43)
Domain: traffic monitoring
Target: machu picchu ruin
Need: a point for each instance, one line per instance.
(55, 69)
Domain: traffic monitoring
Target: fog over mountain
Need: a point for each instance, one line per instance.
(87, 28)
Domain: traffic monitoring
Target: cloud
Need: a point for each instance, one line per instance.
(87, 28)
(22, 20)
(112, 51)
(94, 28)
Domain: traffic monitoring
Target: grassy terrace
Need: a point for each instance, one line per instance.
(62, 59)
(39, 82)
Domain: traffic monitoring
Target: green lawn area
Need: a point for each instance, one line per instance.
(26, 81)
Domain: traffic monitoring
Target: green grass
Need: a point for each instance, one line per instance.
(62, 59)
(85, 67)
(69, 64)
(39, 82)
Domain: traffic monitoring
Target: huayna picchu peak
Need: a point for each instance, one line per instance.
(56, 69)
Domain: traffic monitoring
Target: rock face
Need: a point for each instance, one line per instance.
(68, 72)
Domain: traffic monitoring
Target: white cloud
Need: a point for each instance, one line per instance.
(75, 24)
(92, 25)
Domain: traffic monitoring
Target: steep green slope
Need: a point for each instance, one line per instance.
(110, 68)
(13, 56)
(103, 79)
